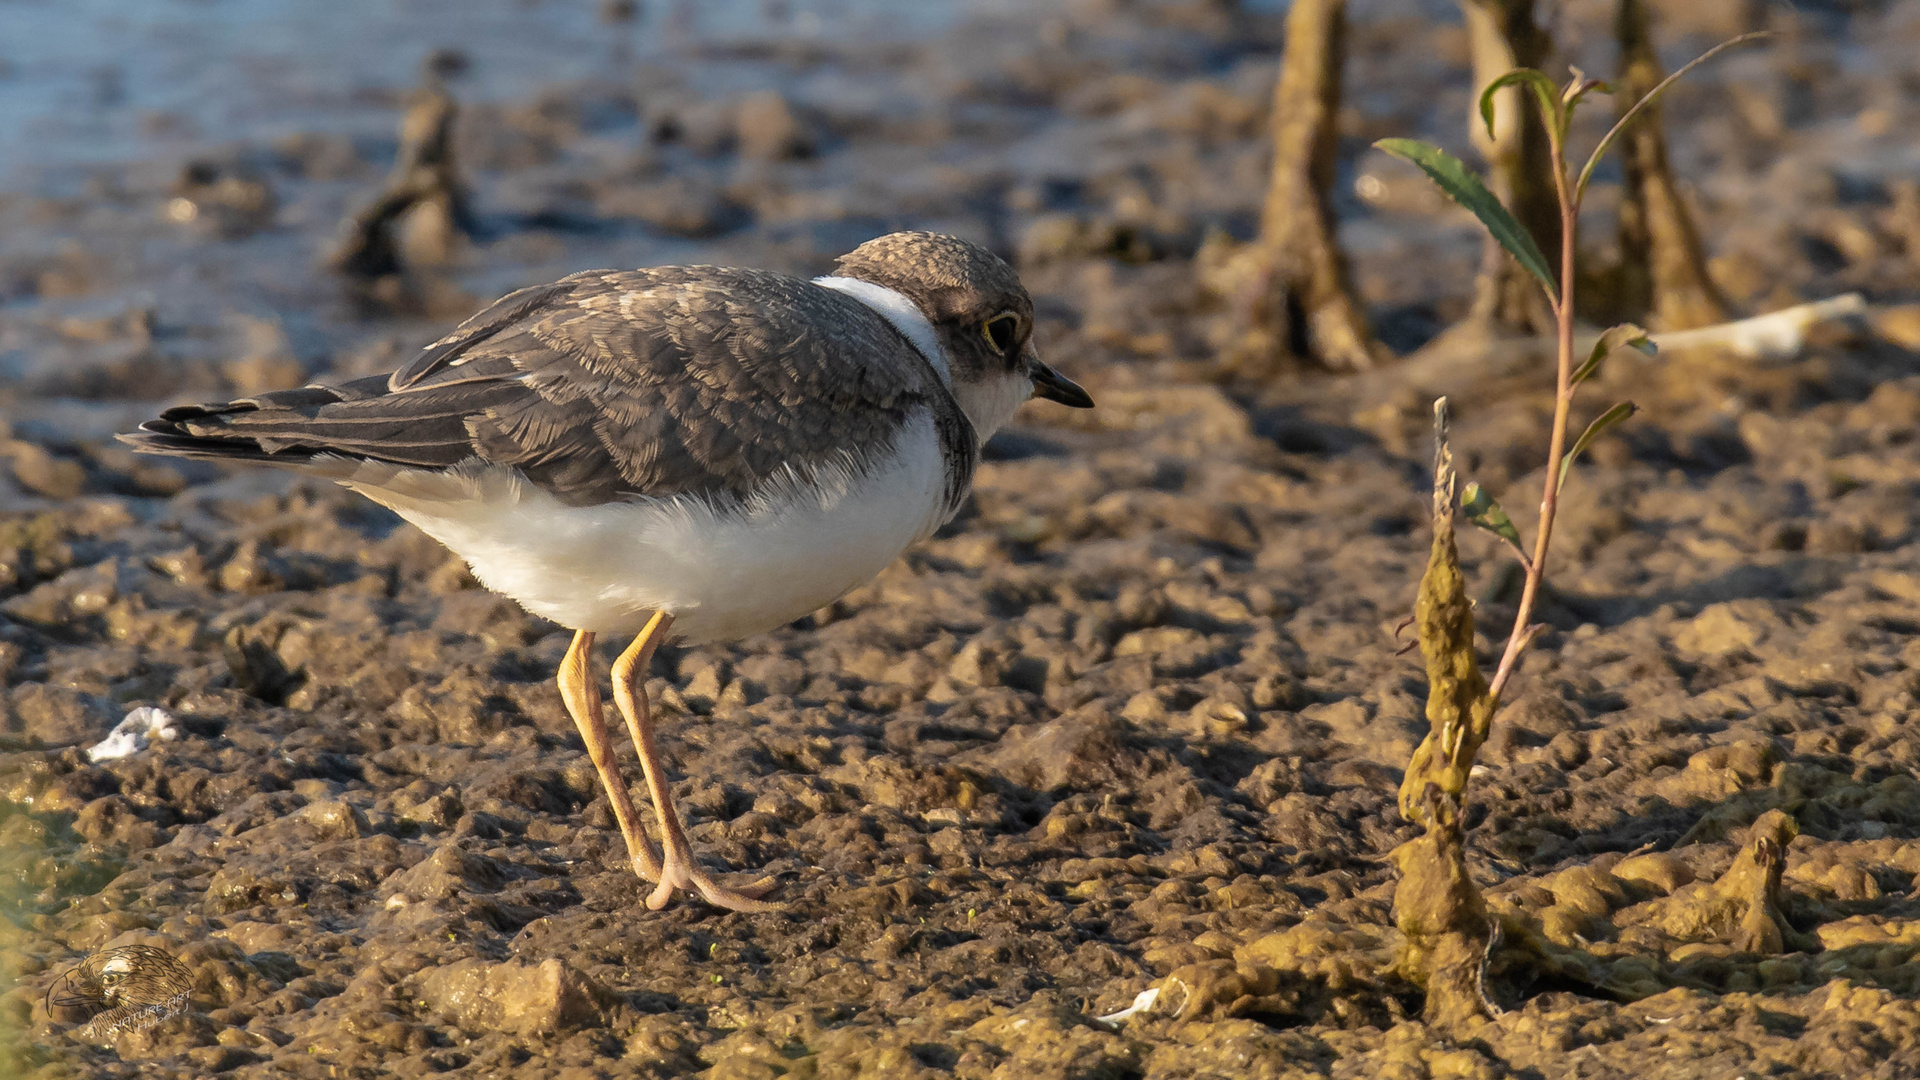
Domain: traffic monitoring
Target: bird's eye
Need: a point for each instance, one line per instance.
(1001, 330)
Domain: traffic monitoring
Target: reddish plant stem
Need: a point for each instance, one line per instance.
(1522, 634)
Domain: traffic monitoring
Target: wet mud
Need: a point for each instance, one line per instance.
(1136, 718)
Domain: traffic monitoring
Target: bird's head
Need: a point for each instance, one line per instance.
(981, 317)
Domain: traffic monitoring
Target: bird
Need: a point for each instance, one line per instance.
(699, 453)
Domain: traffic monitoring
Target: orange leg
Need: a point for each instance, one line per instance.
(582, 697)
(680, 871)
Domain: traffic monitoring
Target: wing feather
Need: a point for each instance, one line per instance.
(680, 380)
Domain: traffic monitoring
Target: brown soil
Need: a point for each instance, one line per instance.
(1139, 710)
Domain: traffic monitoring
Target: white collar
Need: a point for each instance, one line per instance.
(902, 313)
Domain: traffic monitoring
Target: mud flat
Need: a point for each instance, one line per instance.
(1139, 710)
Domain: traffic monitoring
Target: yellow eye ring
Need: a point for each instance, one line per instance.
(1001, 331)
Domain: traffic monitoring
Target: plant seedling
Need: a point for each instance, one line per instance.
(1438, 908)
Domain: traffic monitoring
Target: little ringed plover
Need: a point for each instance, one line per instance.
(700, 452)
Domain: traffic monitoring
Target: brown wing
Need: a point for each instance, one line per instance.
(679, 380)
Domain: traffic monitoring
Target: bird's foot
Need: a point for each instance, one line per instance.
(646, 863)
(642, 855)
(684, 873)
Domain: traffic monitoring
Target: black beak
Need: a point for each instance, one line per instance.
(1050, 384)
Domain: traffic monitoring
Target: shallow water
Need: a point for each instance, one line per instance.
(88, 82)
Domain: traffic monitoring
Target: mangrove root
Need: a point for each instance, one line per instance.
(1742, 908)
(424, 184)
(1289, 292)
(1436, 905)
(1663, 272)
(1502, 35)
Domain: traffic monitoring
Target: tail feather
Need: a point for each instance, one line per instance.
(361, 419)
(151, 439)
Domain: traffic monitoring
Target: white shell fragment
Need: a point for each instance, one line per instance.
(1142, 1002)
(134, 733)
(1779, 335)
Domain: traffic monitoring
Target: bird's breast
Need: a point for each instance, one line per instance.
(725, 568)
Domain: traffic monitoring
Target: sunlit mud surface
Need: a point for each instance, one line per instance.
(1139, 710)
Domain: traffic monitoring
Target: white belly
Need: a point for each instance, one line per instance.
(723, 572)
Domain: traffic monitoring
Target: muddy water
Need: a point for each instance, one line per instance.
(1137, 712)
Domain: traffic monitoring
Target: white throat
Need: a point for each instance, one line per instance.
(902, 312)
(988, 402)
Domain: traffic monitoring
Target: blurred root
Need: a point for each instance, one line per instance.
(423, 193)
(1502, 35)
(1289, 293)
(1663, 280)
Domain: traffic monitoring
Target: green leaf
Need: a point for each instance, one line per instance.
(1543, 90)
(1606, 141)
(1484, 511)
(1624, 336)
(1601, 423)
(1463, 187)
